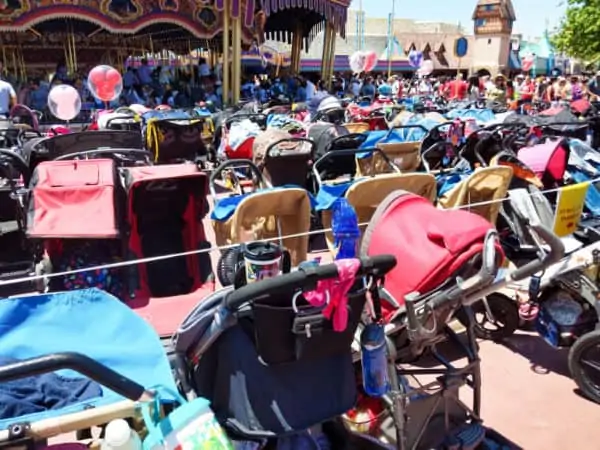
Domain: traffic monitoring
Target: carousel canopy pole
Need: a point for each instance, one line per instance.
(296, 48)
(226, 86)
(326, 53)
(236, 61)
(329, 50)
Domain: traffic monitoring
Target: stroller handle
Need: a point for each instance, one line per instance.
(78, 362)
(291, 140)
(305, 279)
(556, 253)
(142, 154)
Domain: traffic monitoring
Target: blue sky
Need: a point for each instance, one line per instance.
(531, 14)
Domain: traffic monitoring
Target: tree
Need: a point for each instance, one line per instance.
(579, 32)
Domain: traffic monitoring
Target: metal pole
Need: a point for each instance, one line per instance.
(391, 37)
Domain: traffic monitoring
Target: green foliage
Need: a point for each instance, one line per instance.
(579, 32)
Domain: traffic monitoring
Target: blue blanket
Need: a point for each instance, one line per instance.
(329, 193)
(43, 393)
(447, 181)
(225, 207)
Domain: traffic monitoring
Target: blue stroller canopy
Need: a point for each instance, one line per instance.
(90, 322)
(480, 115)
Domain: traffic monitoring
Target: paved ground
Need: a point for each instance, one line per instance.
(529, 397)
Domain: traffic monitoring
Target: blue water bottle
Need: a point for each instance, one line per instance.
(376, 381)
(346, 233)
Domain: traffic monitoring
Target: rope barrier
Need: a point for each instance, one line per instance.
(133, 262)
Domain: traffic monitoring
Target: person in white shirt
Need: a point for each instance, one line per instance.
(8, 97)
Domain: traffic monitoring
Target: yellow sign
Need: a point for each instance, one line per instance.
(571, 200)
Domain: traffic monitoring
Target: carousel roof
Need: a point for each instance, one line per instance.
(284, 15)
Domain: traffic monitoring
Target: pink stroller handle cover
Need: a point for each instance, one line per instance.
(337, 308)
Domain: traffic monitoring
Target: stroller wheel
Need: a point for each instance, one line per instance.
(584, 364)
(496, 317)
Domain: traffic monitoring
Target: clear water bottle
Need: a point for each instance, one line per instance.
(376, 381)
(346, 233)
(589, 136)
(119, 436)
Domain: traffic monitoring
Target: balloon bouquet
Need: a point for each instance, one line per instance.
(64, 102)
(424, 67)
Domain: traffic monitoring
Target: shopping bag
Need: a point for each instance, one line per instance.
(190, 426)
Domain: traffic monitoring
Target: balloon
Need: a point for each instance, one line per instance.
(105, 83)
(426, 67)
(370, 61)
(527, 62)
(64, 102)
(415, 58)
(363, 61)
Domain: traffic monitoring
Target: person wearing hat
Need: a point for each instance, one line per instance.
(498, 92)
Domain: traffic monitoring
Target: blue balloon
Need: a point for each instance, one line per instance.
(415, 58)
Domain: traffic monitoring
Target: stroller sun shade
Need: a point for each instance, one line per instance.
(73, 199)
(548, 160)
(431, 245)
(73, 321)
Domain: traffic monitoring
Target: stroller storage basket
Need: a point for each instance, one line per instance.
(275, 387)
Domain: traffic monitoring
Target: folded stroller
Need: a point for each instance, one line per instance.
(446, 260)
(271, 364)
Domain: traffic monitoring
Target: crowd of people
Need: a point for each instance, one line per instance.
(155, 85)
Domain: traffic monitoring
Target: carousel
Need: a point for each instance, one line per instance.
(83, 33)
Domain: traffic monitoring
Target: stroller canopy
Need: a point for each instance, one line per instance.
(90, 322)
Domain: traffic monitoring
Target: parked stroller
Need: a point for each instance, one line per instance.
(259, 211)
(82, 213)
(175, 136)
(275, 363)
(451, 259)
(52, 332)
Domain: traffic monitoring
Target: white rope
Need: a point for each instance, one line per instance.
(132, 262)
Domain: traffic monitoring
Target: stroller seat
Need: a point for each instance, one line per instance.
(486, 185)
(401, 145)
(282, 158)
(366, 194)
(268, 214)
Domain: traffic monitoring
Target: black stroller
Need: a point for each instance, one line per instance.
(263, 356)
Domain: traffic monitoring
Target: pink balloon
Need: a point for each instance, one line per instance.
(64, 102)
(426, 67)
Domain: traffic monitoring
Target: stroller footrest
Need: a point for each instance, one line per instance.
(466, 438)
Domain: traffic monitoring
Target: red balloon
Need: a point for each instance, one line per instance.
(370, 61)
(105, 83)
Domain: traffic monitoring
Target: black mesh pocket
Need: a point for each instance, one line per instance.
(284, 335)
